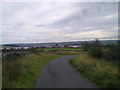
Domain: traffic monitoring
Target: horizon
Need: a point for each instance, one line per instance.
(57, 42)
(44, 22)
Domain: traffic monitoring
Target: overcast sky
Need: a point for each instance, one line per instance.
(40, 22)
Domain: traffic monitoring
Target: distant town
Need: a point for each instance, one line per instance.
(75, 44)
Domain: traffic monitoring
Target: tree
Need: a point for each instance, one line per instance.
(97, 42)
(86, 46)
(96, 50)
(66, 45)
(56, 45)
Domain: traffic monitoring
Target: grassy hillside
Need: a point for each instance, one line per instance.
(23, 72)
(103, 73)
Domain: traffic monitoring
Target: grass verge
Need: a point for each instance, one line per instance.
(23, 72)
(103, 73)
(69, 52)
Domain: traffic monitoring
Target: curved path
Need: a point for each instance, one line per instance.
(58, 73)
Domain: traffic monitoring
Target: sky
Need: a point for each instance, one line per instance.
(41, 22)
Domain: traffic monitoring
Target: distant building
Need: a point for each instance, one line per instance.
(26, 47)
(17, 47)
(48, 46)
(74, 46)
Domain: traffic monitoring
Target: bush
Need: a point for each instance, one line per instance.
(95, 52)
(111, 53)
(86, 46)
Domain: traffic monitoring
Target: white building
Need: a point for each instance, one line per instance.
(73, 46)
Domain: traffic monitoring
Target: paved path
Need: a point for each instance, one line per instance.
(58, 73)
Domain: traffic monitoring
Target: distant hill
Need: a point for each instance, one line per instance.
(54, 43)
(109, 41)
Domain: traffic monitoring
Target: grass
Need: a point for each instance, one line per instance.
(23, 72)
(69, 49)
(69, 53)
(103, 73)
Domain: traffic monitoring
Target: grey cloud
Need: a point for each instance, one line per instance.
(45, 19)
(39, 25)
(89, 11)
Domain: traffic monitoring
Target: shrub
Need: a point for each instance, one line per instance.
(111, 53)
(66, 45)
(95, 52)
(86, 46)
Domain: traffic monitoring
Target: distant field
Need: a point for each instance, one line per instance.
(70, 49)
(5, 46)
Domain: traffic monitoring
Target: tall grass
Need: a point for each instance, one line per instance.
(101, 72)
(23, 72)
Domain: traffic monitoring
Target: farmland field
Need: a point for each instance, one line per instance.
(69, 49)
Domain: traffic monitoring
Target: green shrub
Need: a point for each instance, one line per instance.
(86, 46)
(95, 52)
(111, 53)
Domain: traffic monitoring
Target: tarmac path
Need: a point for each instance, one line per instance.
(58, 73)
